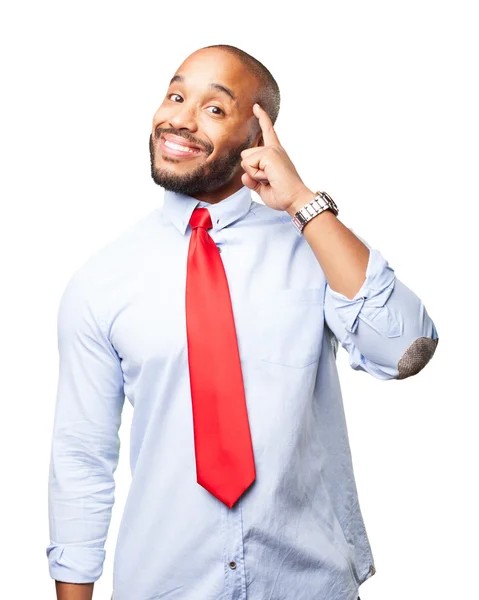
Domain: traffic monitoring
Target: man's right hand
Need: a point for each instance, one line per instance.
(74, 591)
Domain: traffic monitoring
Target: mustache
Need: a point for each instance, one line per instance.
(187, 136)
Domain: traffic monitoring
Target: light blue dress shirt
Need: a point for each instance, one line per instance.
(297, 532)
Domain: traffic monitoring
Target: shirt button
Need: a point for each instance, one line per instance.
(372, 569)
(219, 248)
(232, 565)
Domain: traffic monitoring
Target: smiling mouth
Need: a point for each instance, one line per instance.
(177, 149)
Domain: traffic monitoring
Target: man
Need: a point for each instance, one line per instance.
(219, 317)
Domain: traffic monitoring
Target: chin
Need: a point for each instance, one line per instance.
(163, 162)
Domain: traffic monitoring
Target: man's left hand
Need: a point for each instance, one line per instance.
(270, 172)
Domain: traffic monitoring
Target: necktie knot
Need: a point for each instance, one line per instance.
(201, 218)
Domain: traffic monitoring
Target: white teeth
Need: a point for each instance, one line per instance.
(179, 147)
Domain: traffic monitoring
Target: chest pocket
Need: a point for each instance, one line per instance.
(285, 326)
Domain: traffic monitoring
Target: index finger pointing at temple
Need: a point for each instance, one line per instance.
(267, 128)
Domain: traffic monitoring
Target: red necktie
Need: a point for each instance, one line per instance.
(223, 448)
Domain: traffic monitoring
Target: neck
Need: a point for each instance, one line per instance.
(221, 193)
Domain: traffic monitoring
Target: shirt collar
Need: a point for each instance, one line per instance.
(178, 208)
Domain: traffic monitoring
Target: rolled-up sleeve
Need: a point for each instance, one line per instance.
(85, 441)
(385, 328)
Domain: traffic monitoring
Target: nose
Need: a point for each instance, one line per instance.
(183, 117)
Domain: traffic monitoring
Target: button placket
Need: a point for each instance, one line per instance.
(234, 562)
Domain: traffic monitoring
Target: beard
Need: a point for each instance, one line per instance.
(205, 178)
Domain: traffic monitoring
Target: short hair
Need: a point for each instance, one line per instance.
(268, 90)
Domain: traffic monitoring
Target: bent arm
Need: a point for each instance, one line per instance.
(382, 324)
(385, 327)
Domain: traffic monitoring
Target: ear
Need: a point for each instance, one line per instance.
(258, 141)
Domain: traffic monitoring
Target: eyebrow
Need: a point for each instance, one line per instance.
(214, 86)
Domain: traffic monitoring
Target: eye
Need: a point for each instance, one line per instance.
(221, 111)
(218, 108)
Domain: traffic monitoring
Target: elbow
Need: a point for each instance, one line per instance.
(416, 356)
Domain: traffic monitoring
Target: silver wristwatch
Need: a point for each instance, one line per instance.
(322, 201)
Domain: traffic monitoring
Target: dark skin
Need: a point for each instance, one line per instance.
(74, 591)
(209, 117)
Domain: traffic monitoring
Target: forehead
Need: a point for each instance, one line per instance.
(204, 67)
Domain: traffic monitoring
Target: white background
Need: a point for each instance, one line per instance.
(380, 109)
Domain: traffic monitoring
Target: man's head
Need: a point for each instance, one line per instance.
(209, 105)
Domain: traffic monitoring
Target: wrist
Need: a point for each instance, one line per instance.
(74, 591)
(300, 199)
(303, 211)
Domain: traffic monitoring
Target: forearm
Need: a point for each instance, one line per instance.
(74, 591)
(342, 256)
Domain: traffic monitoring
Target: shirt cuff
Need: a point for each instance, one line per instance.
(75, 564)
(371, 296)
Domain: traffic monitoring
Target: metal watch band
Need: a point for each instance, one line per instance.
(321, 202)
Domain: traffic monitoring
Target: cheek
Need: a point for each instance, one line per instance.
(225, 141)
(158, 117)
